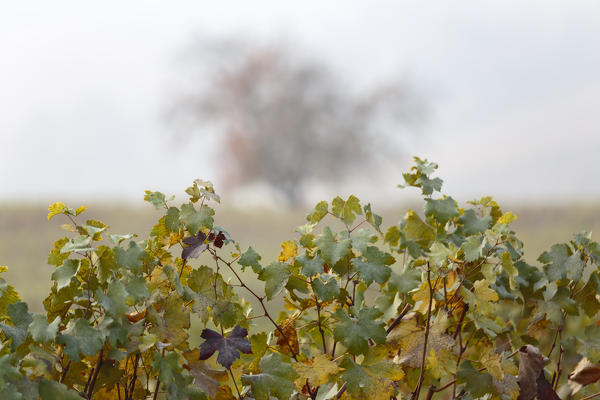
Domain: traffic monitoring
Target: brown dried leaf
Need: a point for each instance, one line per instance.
(584, 373)
(287, 338)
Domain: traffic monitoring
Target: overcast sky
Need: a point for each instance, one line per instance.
(514, 87)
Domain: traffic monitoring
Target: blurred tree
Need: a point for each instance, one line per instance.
(285, 120)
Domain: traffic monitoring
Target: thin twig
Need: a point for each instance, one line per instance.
(343, 389)
(96, 372)
(424, 356)
(234, 383)
(398, 319)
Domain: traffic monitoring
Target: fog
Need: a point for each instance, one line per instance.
(513, 90)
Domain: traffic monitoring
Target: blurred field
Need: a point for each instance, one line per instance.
(26, 236)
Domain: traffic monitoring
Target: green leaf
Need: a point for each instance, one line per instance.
(310, 266)
(56, 257)
(250, 258)
(20, 318)
(52, 390)
(331, 249)
(574, 266)
(80, 338)
(472, 224)
(430, 185)
(346, 210)
(555, 260)
(275, 277)
(441, 210)
(167, 366)
(41, 331)
(362, 238)
(63, 274)
(372, 218)
(194, 219)
(317, 213)
(80, 243)
(415, 229)
(116, 299)
(130, 258)
(373, 266)
(157, 199)
(476, 383)
(325, 291)
(406, 281)
(473, 247)
(172, 219)
(276, 379)
(227, 314)
(393, 235)
(354, 332)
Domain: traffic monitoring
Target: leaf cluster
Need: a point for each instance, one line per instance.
(440, 300)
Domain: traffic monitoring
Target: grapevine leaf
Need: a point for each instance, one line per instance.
(21, 319)
(52, 390)
(228, 347)
(406, 281)
(275, 380)
(56, 257)
(354, 332)
(206, 378)
(374, 266)
(325, 292)
(41, 331)
(287, 337)
(346, 210)
(130, 258)
(555, 260)
(483, 291)
(415, 229)
(195, 219)
(81, 338)
(157, 199)
(392, 236)
(172, 219)
(473, 247)
(472, 224)
(372, 218)
(442, 210)
(275, 277)
(80, 243)
(477, 383)
(331, 249)
(318, 212)
(316, 370)
(227, 313)
(289, 249)
(195, 246)
(362, 385)
(55, 209)
(115, 300)
(63, 274)
(310, 266)
(250, 258)
(362, 238)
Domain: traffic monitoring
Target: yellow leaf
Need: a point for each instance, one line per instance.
(316, 370)
(67, 227)
(289, 249)
(483, 291)
(3, 269)
(55, 209)
(493, 363)
(507, 218)
(81, 209)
